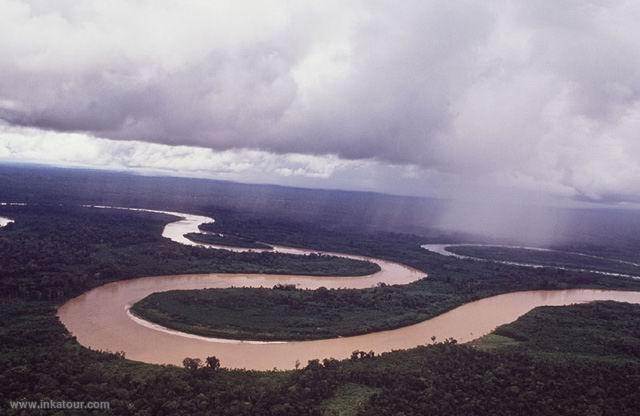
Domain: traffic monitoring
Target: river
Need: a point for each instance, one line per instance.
(5, 221)
(100, 318)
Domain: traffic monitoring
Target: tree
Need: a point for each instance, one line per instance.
(213, 363)
(361, 355)
(192, 364)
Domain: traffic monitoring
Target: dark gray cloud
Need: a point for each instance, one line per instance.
(540, 95)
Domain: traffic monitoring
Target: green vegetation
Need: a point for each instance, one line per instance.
(245, 313)
(449, 379)
(569, 360)
(547, 258)
(293, 314)
(603, 330)
(39, 361)
(349, 400)
(493, 342)
(227, 240)
(39, 262)
(286, 313)
(52, 252)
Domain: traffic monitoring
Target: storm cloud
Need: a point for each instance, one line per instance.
(538, 95)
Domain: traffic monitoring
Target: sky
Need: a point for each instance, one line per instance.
(453, 99)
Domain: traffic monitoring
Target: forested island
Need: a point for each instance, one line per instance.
(227, 240)
(287, 313)
(54, 252)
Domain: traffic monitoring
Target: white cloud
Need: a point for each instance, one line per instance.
(540, 96)
(29, 145)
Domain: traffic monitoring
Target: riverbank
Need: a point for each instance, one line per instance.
(38, 358)
(100, 319)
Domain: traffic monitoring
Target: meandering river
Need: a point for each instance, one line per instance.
(443, 250)
(100, 318)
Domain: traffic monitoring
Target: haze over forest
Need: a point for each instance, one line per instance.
(423, 98)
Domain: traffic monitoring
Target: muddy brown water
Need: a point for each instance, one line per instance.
(100, 318)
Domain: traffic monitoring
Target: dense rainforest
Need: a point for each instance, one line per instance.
(607, 232)
(227, 240)
(289, 314)
(39, 361)
(54, 252)
(602, 330)
(550, 258)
